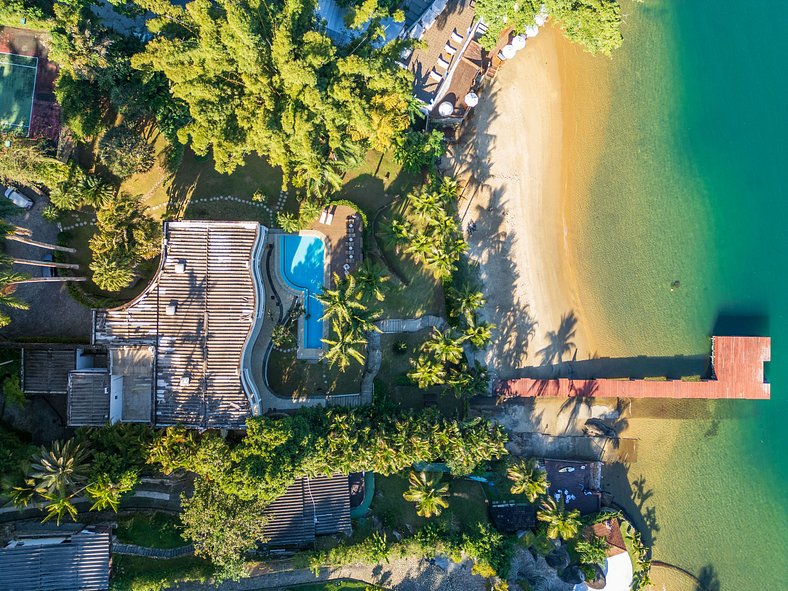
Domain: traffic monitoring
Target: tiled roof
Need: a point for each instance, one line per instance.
(309, 508)
(198, 312)
(610, 530)
(78, 562)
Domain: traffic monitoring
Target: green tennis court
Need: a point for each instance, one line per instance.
(17, 89)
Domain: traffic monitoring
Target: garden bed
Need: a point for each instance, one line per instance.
(151, 530)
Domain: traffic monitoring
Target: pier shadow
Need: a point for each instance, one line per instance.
(670, 367)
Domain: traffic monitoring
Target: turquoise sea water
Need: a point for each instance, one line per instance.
(692, 186)
(302, 267)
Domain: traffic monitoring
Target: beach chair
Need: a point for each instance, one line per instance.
(449, 49)
(323, 215)
(456, 37)
(329, 219)
(442, 63)
(435, 76)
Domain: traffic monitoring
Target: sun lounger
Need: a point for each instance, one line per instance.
(323, 215)
(449, 49)
(442, 63)
(456, 37)
(329, 219)
(435, 76)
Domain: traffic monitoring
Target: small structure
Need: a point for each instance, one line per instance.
(575, 483)
(309, 508)
(56, 560)
(618, 568)
(45, 370)
(178, 352)
(512, 516)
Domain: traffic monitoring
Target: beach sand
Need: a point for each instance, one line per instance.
(512, 154)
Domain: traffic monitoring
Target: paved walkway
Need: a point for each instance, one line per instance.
(403, 574)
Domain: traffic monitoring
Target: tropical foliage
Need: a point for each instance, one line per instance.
(124, 152)
(310, 107)
(593, 24)
(429, 494)
(591, 550)
(126, 236)
(430, 232)
(417, 150)
(528, 479)
(559, 522)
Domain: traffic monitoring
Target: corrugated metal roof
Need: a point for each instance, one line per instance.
(309, 508)
(45, 371)
(78, 562)
(198, 311)
(88, 398)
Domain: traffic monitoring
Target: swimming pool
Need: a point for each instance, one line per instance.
(301, 262)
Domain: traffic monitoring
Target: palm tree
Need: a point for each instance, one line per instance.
(19, 234)
(592, 550)
(59, 471)
(414, 108)
(7, 281)
(370, 281)
(420, 246)
(448, 189)
(428, 493)
(445, 346)
(529, 479)
(480, 334)
(427, 372)
(344, 347)
(426, 205)
(398, 232)
(465, 302)
(560, 523)
(467, 382)
(112, 272)
(341, 302)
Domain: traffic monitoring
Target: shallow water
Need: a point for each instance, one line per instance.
(690, 187)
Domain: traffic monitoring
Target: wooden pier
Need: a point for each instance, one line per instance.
(737, 370)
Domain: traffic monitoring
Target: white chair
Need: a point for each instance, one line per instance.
(456, 37)
(323, 215)
(442, 63)
(435, 76)
(449, 49)
(329, 219)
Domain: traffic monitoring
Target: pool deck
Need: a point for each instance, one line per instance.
(337, 239)
(737, 364)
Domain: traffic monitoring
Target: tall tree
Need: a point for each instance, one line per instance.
(260, 77)
(528, 478)
(593, 24)
(560, 523)
(429, 494)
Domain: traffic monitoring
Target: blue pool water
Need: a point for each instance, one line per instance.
(302, 268)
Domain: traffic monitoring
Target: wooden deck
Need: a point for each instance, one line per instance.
(737, 366)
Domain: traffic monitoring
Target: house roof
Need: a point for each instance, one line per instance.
(512, 516)
(610, 530)
(197, 313)
(310, 507)
(61, 563)
(88, 398)
(45, 371)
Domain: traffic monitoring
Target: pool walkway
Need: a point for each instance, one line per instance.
(737, 369)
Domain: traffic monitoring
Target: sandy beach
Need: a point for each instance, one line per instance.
(512, 154)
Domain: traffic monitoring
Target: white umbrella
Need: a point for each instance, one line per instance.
(508, 51)
(471, 99)
(532, 31)
(540, 19)
(518, 42)
(445, 109)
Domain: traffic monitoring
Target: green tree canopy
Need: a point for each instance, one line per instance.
(529, 479)
(429, 494)
(593, 24)
(259, 77)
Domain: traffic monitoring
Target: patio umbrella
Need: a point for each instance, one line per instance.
(540, 19)
(518, 42)
(532, 31)
(471, 99)
(508, 51)
(445, 109)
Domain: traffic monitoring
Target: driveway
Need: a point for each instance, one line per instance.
(53, 314)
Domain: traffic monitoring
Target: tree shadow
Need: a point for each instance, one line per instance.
(560, 341)
(708, 579)
(636, 507)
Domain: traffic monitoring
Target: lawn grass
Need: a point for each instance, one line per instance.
(467, 504)
(289, 376)
(152, 530)
(136, 573)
